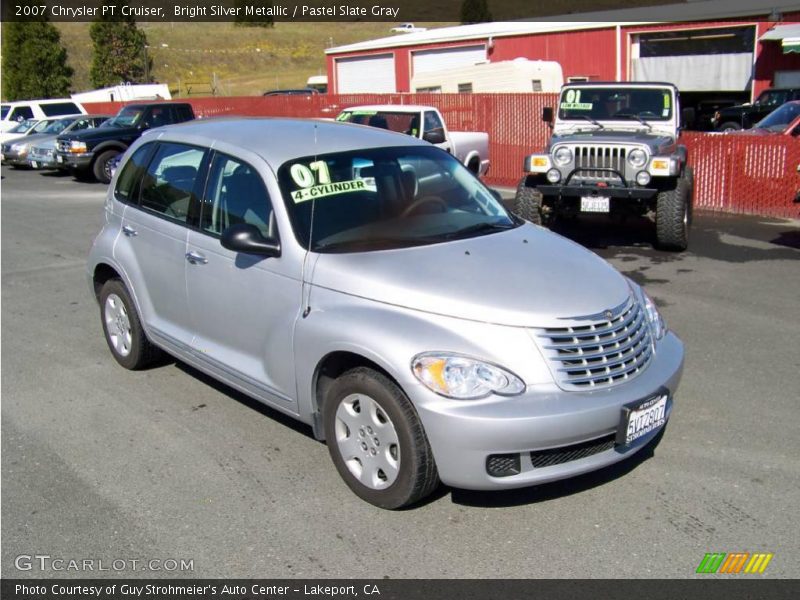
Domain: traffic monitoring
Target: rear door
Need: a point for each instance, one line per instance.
(244, 307)
(154, 231)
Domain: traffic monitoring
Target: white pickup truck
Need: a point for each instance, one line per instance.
(426, 123)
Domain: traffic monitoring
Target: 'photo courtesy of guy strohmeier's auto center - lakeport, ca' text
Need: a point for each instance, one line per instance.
(373, 299)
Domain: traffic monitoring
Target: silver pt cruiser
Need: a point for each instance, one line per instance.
(367, 284)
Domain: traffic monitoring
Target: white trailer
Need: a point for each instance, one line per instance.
(125, 93)
(518, 75)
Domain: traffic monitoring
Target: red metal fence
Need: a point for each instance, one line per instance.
(740, 174)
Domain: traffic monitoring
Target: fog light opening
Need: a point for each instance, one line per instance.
(553, 176)
(503, 465)
(643, 178)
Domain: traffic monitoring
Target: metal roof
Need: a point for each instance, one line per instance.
(706, 10)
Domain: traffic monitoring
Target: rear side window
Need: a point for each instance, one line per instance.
(130, 175)
(169, 182)
(60, 108)
(20, 113)
(236, 194)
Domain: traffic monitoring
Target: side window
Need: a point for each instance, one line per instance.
(168, 184)
(235, 194)
(82, 124)
(20, 113)
(55, 109)
(433, 122)
(130, 175)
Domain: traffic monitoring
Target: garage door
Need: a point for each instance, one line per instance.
(366, 74)
(426, 61)
(787, 79)
(696, 60)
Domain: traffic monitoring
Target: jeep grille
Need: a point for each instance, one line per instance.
(602, 352)
(602, 157)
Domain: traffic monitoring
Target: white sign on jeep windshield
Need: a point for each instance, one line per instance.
(572, 101)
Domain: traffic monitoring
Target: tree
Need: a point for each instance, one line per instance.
(475, 11)
(34, 61)
(120, 51)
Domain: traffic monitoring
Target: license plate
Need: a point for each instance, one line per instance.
(59, 159)
(595, 204)
(34, 164)
(641, 419)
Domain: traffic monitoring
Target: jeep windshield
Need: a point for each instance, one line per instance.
(383, 198)
(610, 104)
(127, 117)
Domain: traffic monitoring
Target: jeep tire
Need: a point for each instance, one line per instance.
(528, 203)
(674, 213)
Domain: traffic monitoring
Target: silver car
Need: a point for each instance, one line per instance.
(369, 285)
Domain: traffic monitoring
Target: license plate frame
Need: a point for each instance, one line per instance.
(642, 417)
(59, 159)
(595, 204)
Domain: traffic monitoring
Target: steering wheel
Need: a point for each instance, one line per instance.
(421, 202)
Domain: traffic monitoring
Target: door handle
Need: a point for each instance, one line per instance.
(196, 258)
(129, 231)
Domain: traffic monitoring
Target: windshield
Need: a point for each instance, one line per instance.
(401, 122)
(779, 118)
(4, 110)
(650, 104)
(384, 198)
(24, 126)
(127, 117)
(58, 126)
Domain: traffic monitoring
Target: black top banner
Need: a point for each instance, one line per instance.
(384, 10)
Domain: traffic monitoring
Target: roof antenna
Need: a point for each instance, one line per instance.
(306, 286)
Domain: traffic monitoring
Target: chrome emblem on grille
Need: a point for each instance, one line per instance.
(608, 314)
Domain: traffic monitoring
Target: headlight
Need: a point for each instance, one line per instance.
(657, 326)
(77, 147)
(637, 158)
(19, 148)
(562, 156)
(464, 378)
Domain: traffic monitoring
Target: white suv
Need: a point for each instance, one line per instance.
(12, 113)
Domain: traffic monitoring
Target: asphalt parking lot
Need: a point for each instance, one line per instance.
(102, 463)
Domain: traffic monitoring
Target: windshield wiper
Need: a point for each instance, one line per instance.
(591, 120)
(636, 117)
(477, 228)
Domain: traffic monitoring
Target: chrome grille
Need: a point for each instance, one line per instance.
(599, 157)
(603, 352)
(39, 152)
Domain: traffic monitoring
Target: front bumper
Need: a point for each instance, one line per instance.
(74, 161)
(10, 157)
(464, 434)
(578, 191)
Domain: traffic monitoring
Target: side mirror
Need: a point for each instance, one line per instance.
(687, 117)
(547, 114)
(247, 239)
(434, 136)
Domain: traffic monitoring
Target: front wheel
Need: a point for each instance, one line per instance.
(528, 203)
(102, 165)
(674, 213)
(376, 440)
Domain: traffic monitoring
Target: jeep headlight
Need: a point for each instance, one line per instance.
(77, 147)
(562, 157)
(637, 158)
(657, 326)
(462, 377)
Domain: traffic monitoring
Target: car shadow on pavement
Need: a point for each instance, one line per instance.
(556, 489)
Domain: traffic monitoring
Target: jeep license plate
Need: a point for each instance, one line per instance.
(595, 204)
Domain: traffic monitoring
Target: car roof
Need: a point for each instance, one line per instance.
(277, 140)
(400, 108)
(621, 84)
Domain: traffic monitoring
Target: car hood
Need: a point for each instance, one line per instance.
(98, 133)
(652, 139)
(524, 277)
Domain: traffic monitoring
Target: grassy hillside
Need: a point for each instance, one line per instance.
(246, 60)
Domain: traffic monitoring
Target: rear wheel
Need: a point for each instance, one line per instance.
(102, 165)
(376, 440)
(528, 203)
(122, 328)
(674, 213)
(730, 126)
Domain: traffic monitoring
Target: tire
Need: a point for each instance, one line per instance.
(123, 329)
(674, 213)
(102, 167)
(528, 203)
(729, 126)
(376, 440)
